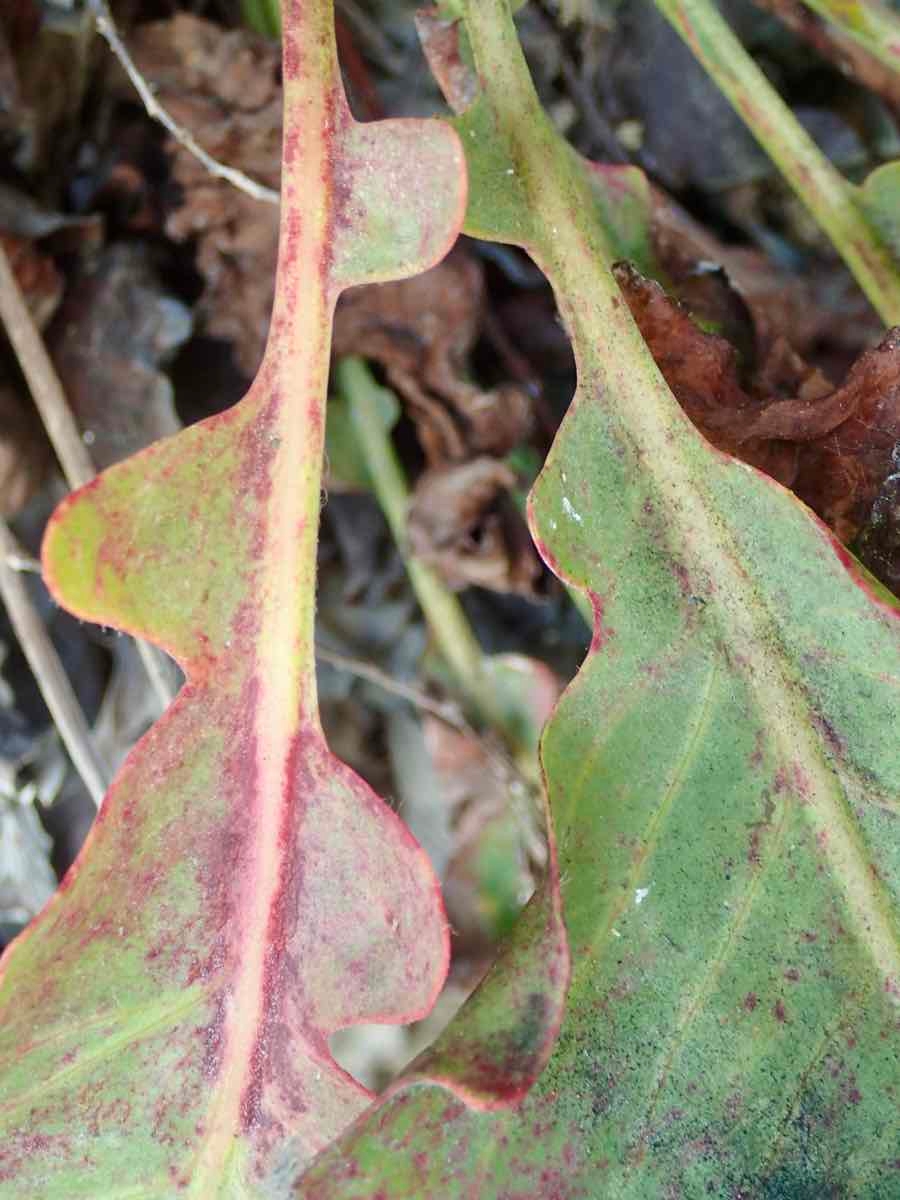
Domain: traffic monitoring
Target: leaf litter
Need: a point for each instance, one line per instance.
(801, 390)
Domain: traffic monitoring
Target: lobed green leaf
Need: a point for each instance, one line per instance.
(724, 777)
(164, 1023)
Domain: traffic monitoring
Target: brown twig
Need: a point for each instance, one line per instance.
(42, 379)
(106, 26)
(50, 401)
(48, 670)
(444, 710)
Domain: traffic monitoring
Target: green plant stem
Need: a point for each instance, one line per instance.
(873, 26)
(575, 252)
(826, 193)
(262, 16)
(445, 616)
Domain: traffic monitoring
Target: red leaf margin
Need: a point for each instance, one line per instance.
(167, 1015)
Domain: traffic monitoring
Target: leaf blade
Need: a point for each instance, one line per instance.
(723, 775)
(202, 885)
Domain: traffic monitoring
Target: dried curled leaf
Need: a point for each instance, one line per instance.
(462, 521)
(832, 446)
(224, 87)
(422, 331)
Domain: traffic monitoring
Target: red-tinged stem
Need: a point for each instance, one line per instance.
(294, 375)
(289, 392)
(874, 27)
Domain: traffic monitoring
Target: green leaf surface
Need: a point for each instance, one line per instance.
(164, 1023)
(724, 777)
(880, 197)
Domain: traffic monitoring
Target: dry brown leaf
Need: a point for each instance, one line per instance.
(879, 541)
(842, 471)
(702, 371)
(116, 325)
(462, 522)
(223, 86)
(37, 276)
(421, 331)
(822, 308)
(833, 446)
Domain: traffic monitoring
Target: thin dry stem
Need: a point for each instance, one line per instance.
(444, 711)
(106, 26)
(48, 670)
(42, 379)
(50, 401)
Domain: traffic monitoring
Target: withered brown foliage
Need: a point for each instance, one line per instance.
(225, 87)
(832, 445)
